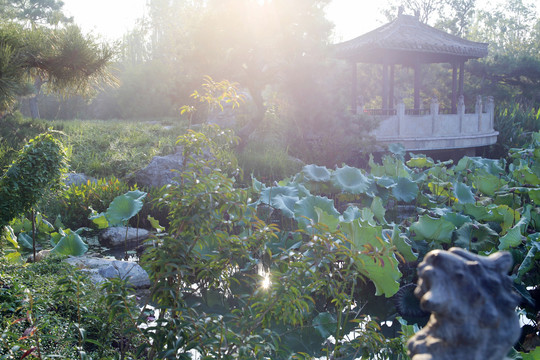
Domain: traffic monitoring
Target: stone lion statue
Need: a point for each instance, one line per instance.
(472, 305)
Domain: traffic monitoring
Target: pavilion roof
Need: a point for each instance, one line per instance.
(406, 40)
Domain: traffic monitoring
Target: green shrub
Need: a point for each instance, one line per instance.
(75, 204)
(37, 169)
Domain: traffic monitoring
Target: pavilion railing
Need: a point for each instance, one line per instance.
(434, 121)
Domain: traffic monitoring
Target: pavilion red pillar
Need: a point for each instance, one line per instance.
(354, 87)
(454, 88)
(417, 86)
(386, 87)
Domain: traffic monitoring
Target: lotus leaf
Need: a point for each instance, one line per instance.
(70, 244)
(534, 195)
(268, 194)
(123, 208)
(397, 149)
(351, 180)
(304, 210)
(378, 209)
(433, 229)
(476, 237)
(405, 190)
(331, 221)
(384, 271)
(532, 255)
(441, 189)
(386, 182)
(420, 162)
(525, 176)
(457, 219)
(512, 239)
(463, 193)
(384, 274)
(401, 242)
(316, 173)
(285, 204)
(487, 183)
(492, 166)
(350, 214)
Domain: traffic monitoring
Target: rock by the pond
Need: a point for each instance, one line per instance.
(78, 179)
(114, 237)
(101, 269)
(160, 171)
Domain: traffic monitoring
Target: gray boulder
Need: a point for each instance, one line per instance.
(115, 237)
(78, 179)
(160, 171)
(101, 269)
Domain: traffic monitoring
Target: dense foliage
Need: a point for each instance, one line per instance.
(38, 167)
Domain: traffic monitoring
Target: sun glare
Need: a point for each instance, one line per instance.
(266, 282)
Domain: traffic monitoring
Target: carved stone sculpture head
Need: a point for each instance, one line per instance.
(472, 307)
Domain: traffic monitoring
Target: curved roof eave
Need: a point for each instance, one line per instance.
(407, 35)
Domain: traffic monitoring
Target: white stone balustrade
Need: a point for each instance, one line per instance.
(435, 131)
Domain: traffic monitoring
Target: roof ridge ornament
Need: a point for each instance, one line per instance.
(400, 10)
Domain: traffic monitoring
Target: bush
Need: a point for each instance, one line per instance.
(37, 169)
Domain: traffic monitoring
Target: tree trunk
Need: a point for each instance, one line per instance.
(33, 101)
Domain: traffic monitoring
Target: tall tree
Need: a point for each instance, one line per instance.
(48, 50)
(34, 12)
(64, 59)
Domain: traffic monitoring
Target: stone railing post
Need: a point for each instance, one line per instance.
(478, 111)
(461, 112)
(490, 108)
(434, 111)
(400, 112)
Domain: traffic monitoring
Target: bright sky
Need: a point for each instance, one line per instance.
(112, 18)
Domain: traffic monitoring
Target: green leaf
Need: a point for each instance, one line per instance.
(70, 244)
(532, 255)
(525, 176)
(397, 149)
(350, 214)
(304, 210)
(420, 161)
(327, 219)
(476, 237)
(25, 241)
(325, 323)
(533, 355)
(350, 180)
(405, 190)
(269, 194)
(456, 219)
(463, 193)
(124, 207)
(100, 220)
(316, 173)
(382, 269)
(385, 276)
(487, 183)
(10, 236)
(402, 243)
(429, 228)
(378, 209)
(155, 224)
(285, 204)
(511, 239)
